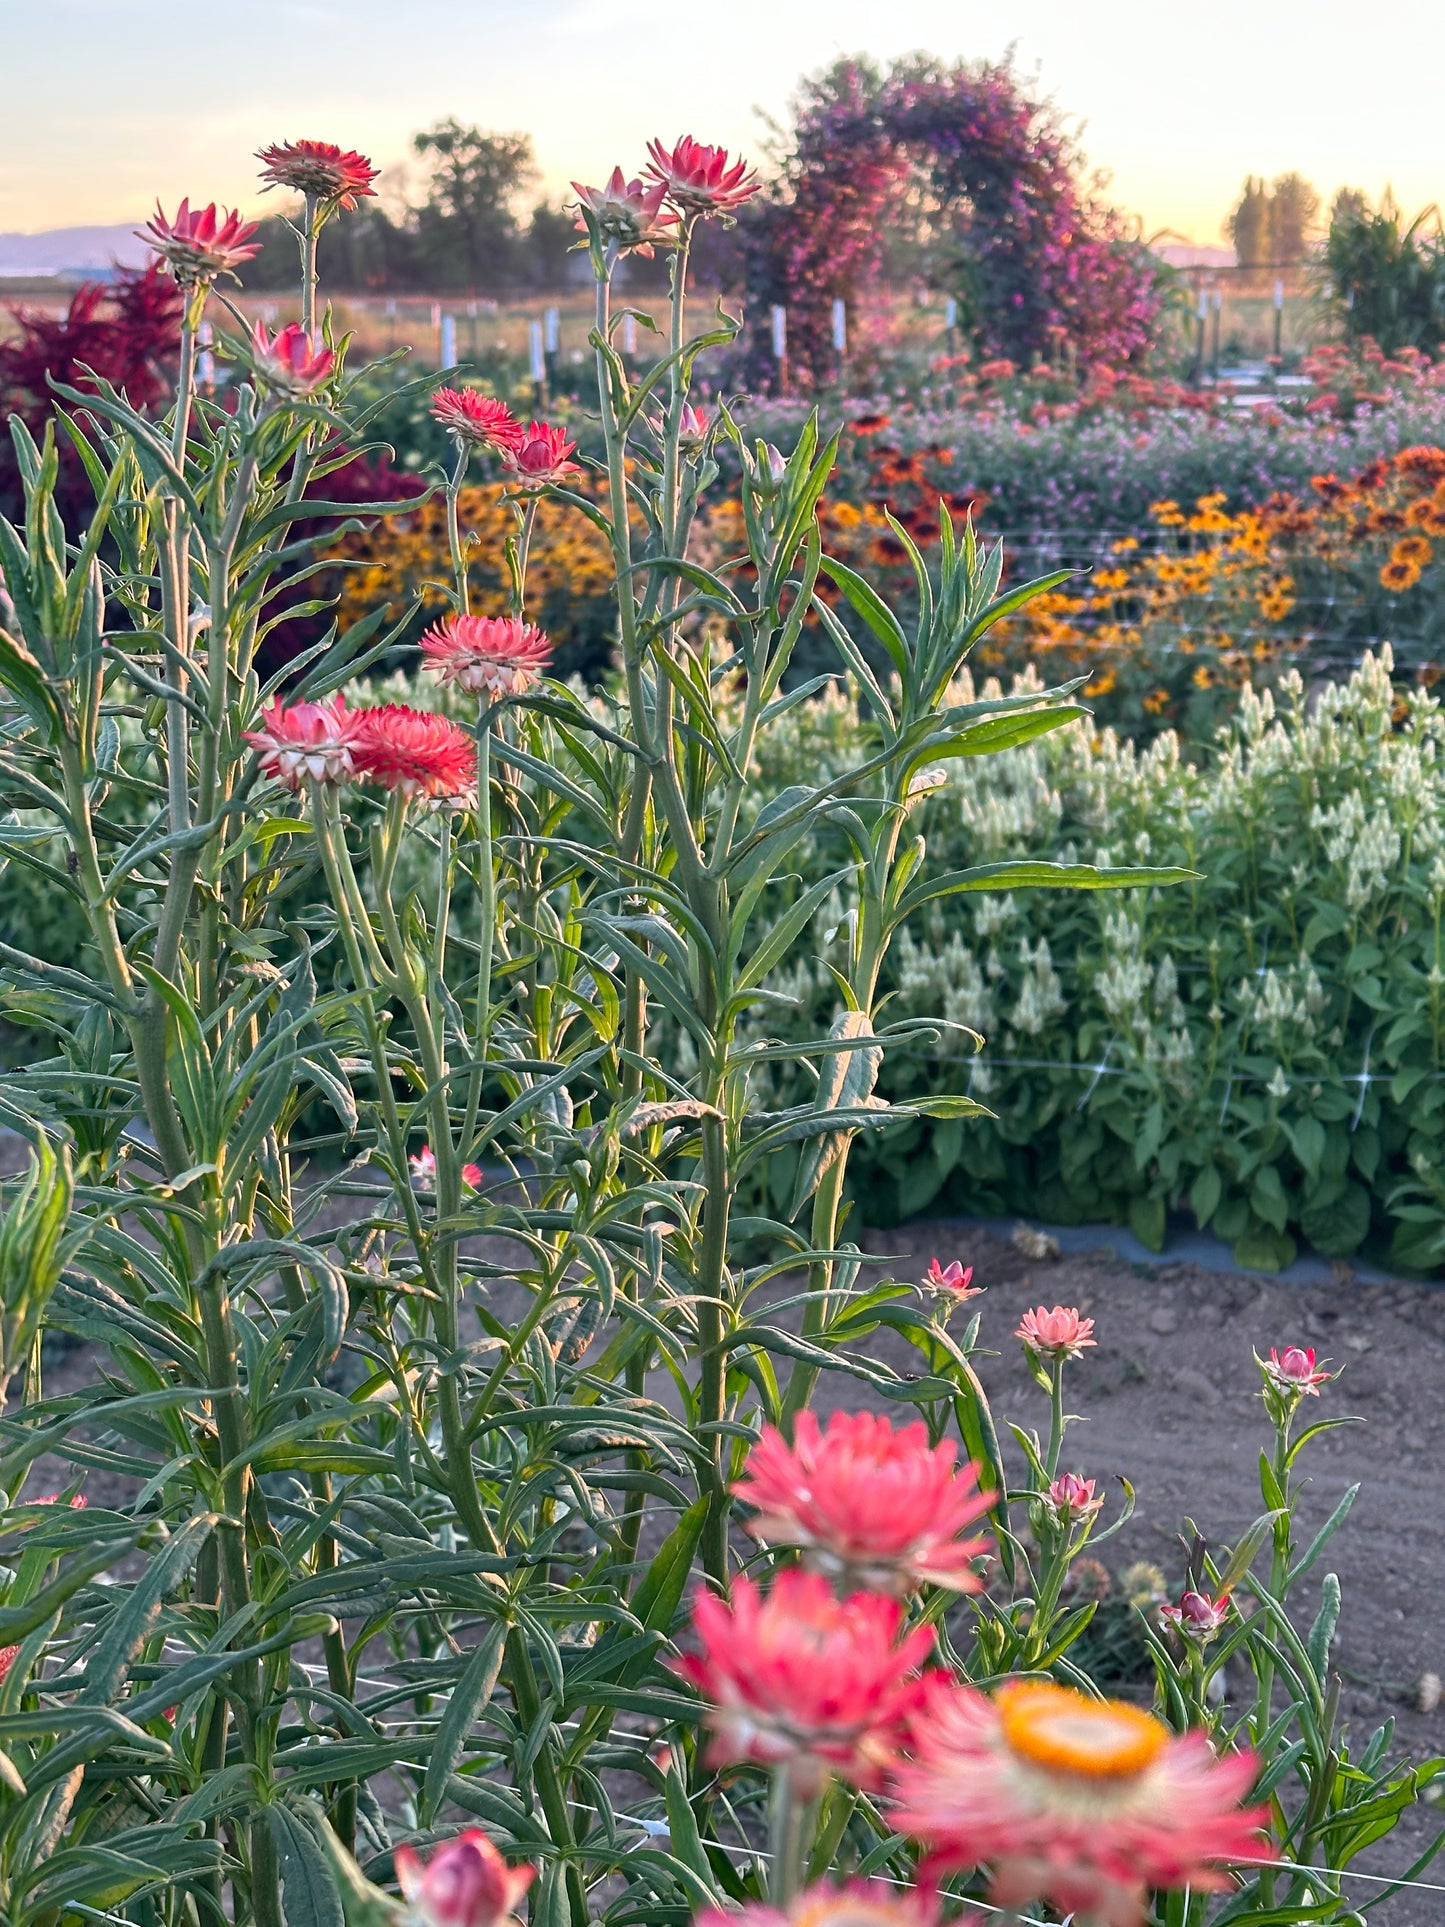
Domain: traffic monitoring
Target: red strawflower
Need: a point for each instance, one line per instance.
(479, 420)
(465, 1883)
(493, 656)
(628, 212)
(540, 456)
(320, 170)
(315, 742)
(201, 244)
(1060, 1333)
(7, 1660)
(804, 1681)
(424, 1171)
(291, 361)
(1083, 1803)
(699, 179)
(872, 1506)
(416, 752)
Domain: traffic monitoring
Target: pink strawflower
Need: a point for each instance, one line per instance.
(804, 1681)
(1059, 1333)
(1072, 1497)
(290, 361)
(423, 1165)
(629, 213)
(699, 179)
(493, 656)
(465, 1883)
(872, 1507)
(416, 752)
(315, 742)
(859, 1903)
(8, 1656)
(1292, 1371)
(1083, 1803)
(952, 1282)
(1197, 1616)
(477, 419)
(540, 456)
(197, 245)
(319, 169)
(77, 1504)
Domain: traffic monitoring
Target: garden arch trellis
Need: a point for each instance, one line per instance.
(1035, 255)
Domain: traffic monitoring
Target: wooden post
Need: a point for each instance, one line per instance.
(780, 346)
(840, 334)
(449, 341)
(1278, 326)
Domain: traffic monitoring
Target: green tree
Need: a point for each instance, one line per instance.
(468, 225)
(1270, 225)
(1293, 206)
(1250, 224)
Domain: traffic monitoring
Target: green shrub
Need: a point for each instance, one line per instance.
(1263, 1047)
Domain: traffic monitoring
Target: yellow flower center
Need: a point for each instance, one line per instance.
(1060, 1730)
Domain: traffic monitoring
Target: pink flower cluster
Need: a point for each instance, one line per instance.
(1081, 1803)
(535, 456)
(399, 748)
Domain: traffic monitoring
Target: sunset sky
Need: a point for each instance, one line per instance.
(109, 103)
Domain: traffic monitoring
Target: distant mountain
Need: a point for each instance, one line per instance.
(1184, 254)
(71, 250)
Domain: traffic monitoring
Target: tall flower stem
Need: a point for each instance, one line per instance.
(310, 232)
(454, 536)
(787, 1825)
(487, 914)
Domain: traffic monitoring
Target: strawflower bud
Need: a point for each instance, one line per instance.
(628, 213)
(1292, 1372)
(465, 1883)
(952, 1283)
(291, 363)
(540, 457)
(1071, 1498)
(199, 244)
(1197, 1616)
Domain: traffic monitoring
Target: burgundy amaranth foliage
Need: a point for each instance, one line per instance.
(1042, 260)
(125, 333)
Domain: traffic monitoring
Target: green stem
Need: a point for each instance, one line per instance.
(787, 1818)
(310, 231)
(712, 1370)
(486, 935)
(1056, 1419)
(454, 534)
